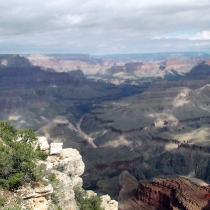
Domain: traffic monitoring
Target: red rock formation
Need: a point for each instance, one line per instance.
(127, 186)
(173, 193)
(162, 194)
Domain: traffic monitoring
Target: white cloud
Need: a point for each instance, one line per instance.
(204, 35)
(82, 25)
(160, 37)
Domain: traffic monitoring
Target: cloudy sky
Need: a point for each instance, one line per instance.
(102, 27)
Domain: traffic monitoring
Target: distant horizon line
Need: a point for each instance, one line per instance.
(101, 54)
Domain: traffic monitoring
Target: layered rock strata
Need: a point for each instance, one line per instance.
(170, 193)
(173, 193)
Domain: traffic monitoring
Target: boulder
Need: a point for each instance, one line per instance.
(108, 204)
(43, 143)
(90, 193)
(55, 148)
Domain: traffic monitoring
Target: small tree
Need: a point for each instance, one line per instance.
(17, 156)
(85, 203)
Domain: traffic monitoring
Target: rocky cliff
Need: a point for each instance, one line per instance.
(168, 69)
(120, 69)
(68, 62)
(170, 193)
(63, 168)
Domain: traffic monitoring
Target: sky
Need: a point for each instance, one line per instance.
(104, 27)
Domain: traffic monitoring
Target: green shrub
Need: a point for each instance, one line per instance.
(39, 154)
(52, 177)
(84, 203)
(14, 181)
(12, 207)
(17, 158)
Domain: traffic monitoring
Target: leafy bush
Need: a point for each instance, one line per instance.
(85, 203)
(52, 177)
(39, 154)
(17, 156)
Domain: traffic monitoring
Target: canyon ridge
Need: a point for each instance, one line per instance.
(144, 116)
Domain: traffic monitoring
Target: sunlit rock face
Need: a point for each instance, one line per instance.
(66, 63)
(170, 68)
(43, 143)
(119, 69)
(108, 204)
(55, 148)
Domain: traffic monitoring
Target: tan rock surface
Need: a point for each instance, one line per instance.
(64, 191)
(72, 162)
(42, 141)
(55, 148)
(108, 204)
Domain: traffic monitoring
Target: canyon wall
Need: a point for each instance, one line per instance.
(170, 193)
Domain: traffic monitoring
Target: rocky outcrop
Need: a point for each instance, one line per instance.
(66, 166)
(127, 194)
(43, 143)
(173, 193)
(127, 186)
(27, 193)
(37, 198)
(108, 204)
(69, 162)
(64, 190)
(55, 148)
(165, 194)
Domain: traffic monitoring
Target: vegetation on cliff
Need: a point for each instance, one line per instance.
(23, 177)
(87, 203)
(18, 156)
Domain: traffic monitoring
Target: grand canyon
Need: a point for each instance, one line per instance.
(140, 121)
